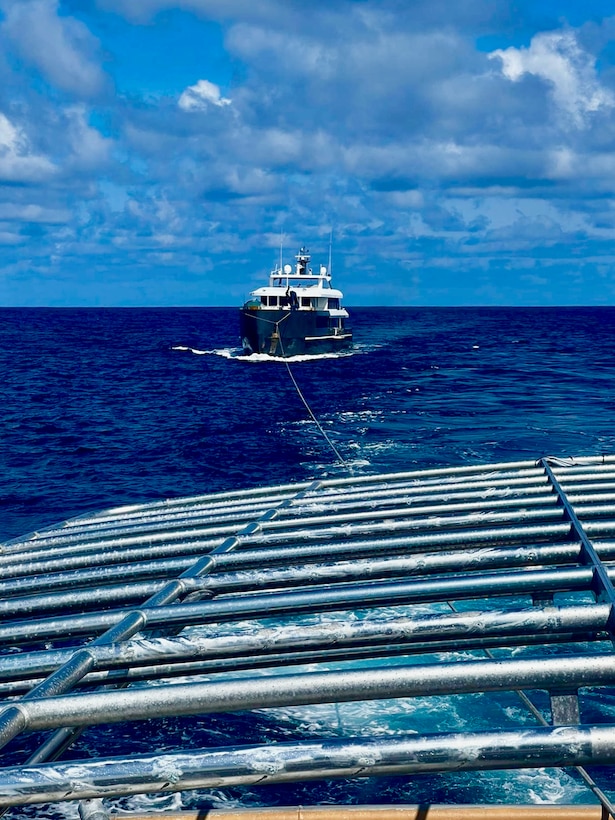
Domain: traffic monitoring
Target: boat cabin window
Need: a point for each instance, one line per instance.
(334, 304)
(271, 301)
(306, 301)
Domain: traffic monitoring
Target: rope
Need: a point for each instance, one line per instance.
(340, 458)
(338, 455)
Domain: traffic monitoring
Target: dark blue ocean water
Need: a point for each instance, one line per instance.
(101, 407)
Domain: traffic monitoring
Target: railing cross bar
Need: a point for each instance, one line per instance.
(605, 591)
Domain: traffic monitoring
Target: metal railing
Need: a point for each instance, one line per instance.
(148, 593)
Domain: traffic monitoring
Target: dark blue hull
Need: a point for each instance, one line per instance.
(292, 332)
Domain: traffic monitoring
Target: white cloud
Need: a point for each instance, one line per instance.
(61, 48)
(556, 57)
(200, 96)
(365, 115)
(11, 140)
(17, 162)
(9, 238)
(89, 148)
(10, 212)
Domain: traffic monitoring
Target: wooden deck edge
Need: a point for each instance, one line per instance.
(402, 812)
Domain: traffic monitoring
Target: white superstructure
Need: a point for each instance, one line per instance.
(301, 288)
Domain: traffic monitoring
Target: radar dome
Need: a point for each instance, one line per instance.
(287, 269)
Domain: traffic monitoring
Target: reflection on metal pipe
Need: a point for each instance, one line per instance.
(304, 577)
(288, 762)
(310, 688)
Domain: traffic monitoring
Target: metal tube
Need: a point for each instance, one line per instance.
(469, 488)
(163, 670)
(260, 498)
(362, 595)
(151, 537)
(571, 672)
(451, 480)
(408, 524)
(297, 532)
(385, 812)
(95, 529)
(422, 541)
(130, 536)
(426, 518)
(444, 628)
(52, 562)
(289, 552)
(603, 584)
(93, 810)
(92, 598)
(79, 555)
(225, 583)
(429, 514)
(590, 498)
(75, 669)
(527, 466)
(85, 527)
(93, 576)
(485, 507)
(291, 762)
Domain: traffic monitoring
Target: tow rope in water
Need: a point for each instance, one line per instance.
(339, 456)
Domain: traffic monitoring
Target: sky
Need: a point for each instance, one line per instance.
(164, 152)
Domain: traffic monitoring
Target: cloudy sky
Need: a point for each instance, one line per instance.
(157, 152)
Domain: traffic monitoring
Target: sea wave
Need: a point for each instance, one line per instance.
(88, 424)
(237, 354)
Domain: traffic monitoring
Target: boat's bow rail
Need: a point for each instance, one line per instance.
(426, 584)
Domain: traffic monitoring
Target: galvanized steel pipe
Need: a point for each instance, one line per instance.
(292, 762)
(444, 628)
(340, 686)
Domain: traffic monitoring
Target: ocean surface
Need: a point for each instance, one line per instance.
(102, 407)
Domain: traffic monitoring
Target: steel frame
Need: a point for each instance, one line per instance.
(147, 593)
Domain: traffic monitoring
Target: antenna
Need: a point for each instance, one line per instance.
(281, 247)
(330, 249)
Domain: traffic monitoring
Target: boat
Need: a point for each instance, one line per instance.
(297, 313)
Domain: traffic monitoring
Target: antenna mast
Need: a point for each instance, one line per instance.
(330, 249)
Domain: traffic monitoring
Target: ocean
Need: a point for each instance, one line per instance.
(103, 407)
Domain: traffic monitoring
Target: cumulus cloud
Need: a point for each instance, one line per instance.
(200, 96)
(11, 139)
(17, 162)
(89, 149)
(370, 116)
(60, 47)
(557, 57)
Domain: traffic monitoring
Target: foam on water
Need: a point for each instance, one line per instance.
(237, 354)
(390, 717)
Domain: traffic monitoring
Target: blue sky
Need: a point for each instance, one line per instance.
(153, 152)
